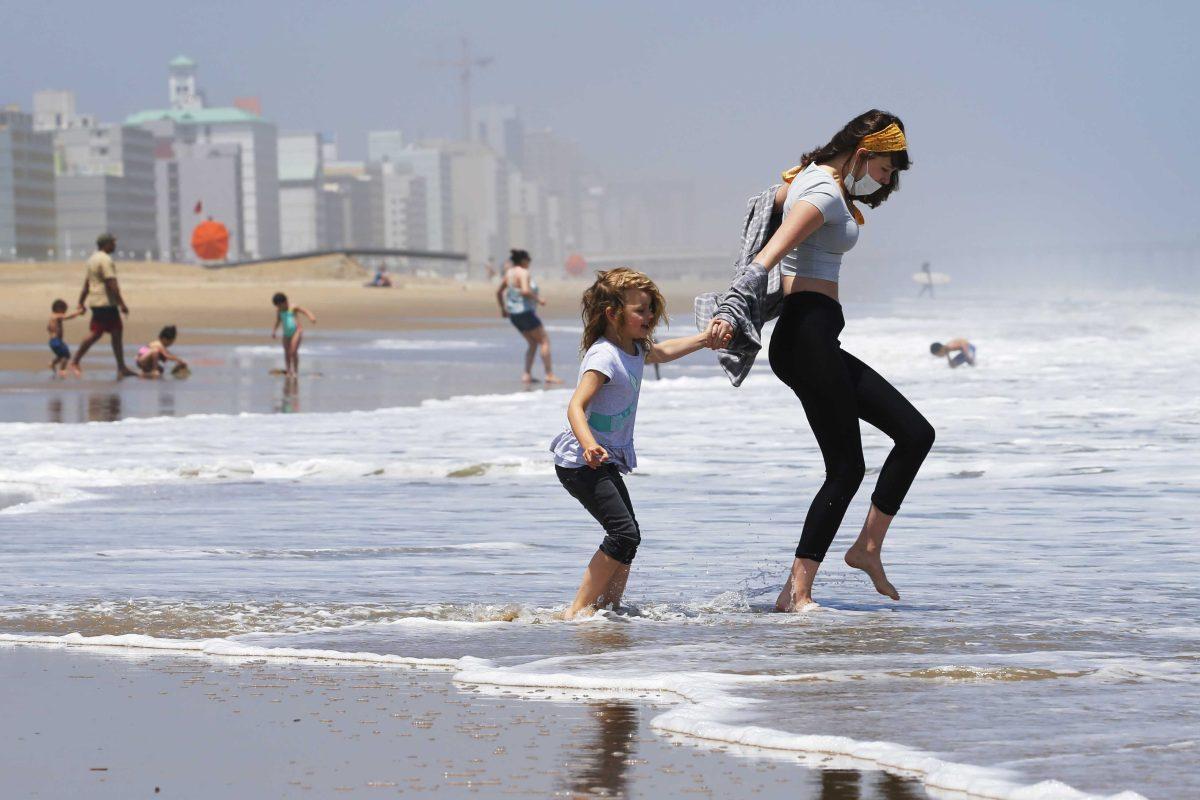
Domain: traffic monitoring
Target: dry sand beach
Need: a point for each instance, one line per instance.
(202, 302)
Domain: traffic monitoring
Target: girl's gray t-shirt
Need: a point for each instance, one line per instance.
(613, 409)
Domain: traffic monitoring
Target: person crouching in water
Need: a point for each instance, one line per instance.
(151, 357)
(620, 312)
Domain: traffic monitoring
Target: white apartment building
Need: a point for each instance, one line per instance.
(27, 219)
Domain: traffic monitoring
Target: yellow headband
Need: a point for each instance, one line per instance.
(889, 140)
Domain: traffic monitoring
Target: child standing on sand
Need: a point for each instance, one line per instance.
(151, 357)
(285, 315)
(62, 353)
(620, 311)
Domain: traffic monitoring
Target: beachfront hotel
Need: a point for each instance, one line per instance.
(190, 121)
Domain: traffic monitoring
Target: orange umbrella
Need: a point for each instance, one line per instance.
(210, 240)
(575, 264)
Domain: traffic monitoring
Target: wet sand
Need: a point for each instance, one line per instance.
(88, 723)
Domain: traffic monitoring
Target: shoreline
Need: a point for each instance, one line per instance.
(252, 727)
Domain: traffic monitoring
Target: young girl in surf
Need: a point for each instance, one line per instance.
(285, 315)
(620, 312)
(862, 163)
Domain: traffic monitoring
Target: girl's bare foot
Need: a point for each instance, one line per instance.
(790, 602)
(871, 564)
(552, 378)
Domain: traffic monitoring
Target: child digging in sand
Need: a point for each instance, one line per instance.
(620, 311)
(285, 315)
(62, 353)
(151, 357)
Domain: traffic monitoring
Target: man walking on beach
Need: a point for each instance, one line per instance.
(100, 285)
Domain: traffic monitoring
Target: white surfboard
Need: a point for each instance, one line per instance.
(931, 278)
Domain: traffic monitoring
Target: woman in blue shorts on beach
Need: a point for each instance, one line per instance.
(518, 299)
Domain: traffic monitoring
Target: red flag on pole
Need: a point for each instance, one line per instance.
(199, 207)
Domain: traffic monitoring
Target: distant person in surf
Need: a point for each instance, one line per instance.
(285, 316)
(808, 224)
(620, 312)
(518, 298)
(964, 352)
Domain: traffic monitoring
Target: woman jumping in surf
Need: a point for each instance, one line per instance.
(820, 223)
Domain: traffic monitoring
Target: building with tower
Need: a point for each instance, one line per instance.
(190, 121)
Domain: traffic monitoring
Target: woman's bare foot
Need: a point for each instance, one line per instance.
(528, 379)
(552, 378)
(75, 370)
(871, 564)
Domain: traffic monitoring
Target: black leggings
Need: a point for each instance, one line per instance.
(602, 492)
(837, 390)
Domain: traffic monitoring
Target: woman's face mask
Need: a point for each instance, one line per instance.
(861, 187)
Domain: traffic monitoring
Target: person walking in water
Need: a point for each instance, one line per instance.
(820, 223)
(518, 299)
(620, 312)
(285, 315)
(102, 292)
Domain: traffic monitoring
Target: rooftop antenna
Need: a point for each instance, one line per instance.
(466, 64)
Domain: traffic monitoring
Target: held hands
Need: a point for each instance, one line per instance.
(719, 334)
(595, 456)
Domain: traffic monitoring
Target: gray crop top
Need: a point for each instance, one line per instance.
(820, 255)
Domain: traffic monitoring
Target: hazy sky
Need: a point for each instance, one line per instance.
(1029, 124)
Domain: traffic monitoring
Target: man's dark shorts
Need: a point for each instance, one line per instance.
(106, 319)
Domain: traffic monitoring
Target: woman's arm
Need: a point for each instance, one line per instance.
(800, 223)
(500, 296)
(671, 349)
(589, 384)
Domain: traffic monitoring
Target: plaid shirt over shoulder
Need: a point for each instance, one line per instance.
(755, 295)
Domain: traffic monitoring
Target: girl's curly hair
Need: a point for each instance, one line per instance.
(609, 292)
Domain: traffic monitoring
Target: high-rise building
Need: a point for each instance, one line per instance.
(195, 183)
(346, 195)
(398, 207)
(195, 123)
(104, 181)
(54, 110)
(384, 146)
(301, 178)
(554, 163)
(27, 220)
(500, 128)
(431, 163)
(479, 201)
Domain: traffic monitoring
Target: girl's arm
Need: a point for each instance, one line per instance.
(671, 349)
(169, 356)
(589, 384)
(275, 327)
(305, 312)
